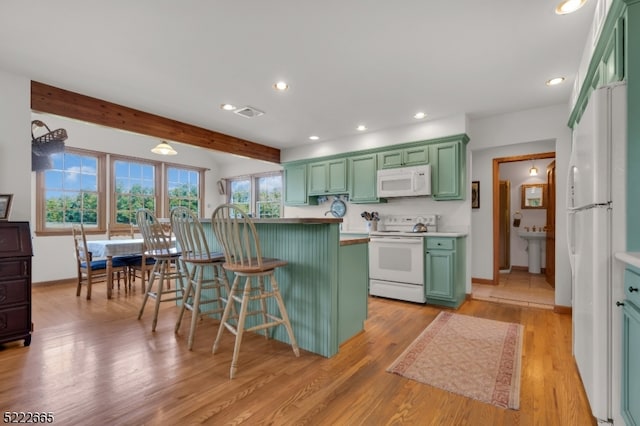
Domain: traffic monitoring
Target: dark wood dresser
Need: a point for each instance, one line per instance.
(15, 282)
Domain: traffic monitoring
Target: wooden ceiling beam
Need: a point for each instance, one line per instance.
(53, 100)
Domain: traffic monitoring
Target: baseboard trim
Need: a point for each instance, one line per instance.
(560, 309)
(482, 281)
(56, 282)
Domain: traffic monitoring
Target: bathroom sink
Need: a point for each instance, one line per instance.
(534, 242)
(533, 235)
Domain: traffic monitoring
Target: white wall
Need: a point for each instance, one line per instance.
(519, 133)
(422, 130)
(15, 143)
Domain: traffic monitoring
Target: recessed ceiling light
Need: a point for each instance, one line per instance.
(314, 138)
(419, 115)
(554, 81)
(569, 6)
(361, 128)
(281, 86)
(227, 107)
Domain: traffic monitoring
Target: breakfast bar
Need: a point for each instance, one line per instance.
(324, 285)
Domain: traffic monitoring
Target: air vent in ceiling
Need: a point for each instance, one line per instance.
(248, 112)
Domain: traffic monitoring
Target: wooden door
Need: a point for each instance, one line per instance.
(505, 226)
(550, 268)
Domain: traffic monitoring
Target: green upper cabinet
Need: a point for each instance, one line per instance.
(328, 177)
(295, 185)
(413, 156)
(362, 179)
(448, 167)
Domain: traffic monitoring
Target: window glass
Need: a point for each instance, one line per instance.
(134, 189)
(240, 193)
(71, 191)
(268, 196)
(183, 186)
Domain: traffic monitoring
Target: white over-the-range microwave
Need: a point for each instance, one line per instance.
(404, 181)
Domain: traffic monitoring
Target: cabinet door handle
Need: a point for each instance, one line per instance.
(632, 289)
(619, 304)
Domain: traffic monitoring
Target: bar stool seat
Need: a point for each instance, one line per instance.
(237, 234)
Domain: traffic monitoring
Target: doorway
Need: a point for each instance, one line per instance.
(507, 269)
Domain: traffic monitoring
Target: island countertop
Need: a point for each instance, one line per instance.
(291, 220)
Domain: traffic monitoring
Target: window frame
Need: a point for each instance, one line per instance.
(41, 228)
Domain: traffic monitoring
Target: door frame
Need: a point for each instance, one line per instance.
(496, 202)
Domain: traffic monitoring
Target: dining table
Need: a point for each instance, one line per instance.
(107, 249)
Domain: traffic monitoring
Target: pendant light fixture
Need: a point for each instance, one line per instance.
(163, 148)
(533, 171)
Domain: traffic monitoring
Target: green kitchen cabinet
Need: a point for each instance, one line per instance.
(362, 179)
(631, 348)
(413, 156)
(328, 177)
(448, 167)
(295, 185)
(445, 271)
(353, 289)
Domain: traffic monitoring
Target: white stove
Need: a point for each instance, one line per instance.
(396, 257)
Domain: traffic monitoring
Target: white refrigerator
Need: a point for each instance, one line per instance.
(596, 229)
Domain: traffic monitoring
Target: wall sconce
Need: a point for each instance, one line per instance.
(163, 148)
(533, 171)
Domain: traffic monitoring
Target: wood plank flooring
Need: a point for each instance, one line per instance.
(93, 362)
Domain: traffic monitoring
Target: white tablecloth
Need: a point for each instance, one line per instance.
(115, 247)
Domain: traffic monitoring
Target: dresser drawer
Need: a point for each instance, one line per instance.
(14, 321)
(632, 286)
(441, 243)
(13, 292)
(14, 268)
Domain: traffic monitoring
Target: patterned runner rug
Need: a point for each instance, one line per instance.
(474, 357)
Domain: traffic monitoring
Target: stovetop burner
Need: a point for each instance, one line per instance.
(404, 225)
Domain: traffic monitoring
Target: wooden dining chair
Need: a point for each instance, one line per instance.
(237, 234)
(123, 232)
(90, 270)
(211, 290)
(166, 267)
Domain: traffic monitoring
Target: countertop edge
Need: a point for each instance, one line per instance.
(293, 220)
(631, 258)
(355, 240)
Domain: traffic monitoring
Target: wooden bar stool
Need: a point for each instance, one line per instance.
(237, 234)
(166, 267)
(196, 258)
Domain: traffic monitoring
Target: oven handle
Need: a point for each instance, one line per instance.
(396, 240)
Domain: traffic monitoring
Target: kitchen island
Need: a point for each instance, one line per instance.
(325, 283)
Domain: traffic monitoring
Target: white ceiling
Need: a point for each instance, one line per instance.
(347, 61)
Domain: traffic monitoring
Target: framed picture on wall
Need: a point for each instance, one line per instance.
(5, 206)
(475, 194)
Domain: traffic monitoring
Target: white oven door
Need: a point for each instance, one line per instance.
(399, 259)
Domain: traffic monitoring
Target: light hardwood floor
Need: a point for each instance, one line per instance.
(92, 362)
(518, 287)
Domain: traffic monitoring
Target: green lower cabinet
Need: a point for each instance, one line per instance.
(631, 348)
(353, 289)
(445, 271)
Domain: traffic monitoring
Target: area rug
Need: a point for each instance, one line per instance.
(474, 357)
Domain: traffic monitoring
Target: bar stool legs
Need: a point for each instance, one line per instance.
(161, 271)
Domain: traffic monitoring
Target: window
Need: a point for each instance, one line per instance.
(134, 187)
(71, 191)
(268, 195)
(260, 195)
(240, 193)
(183, 187)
